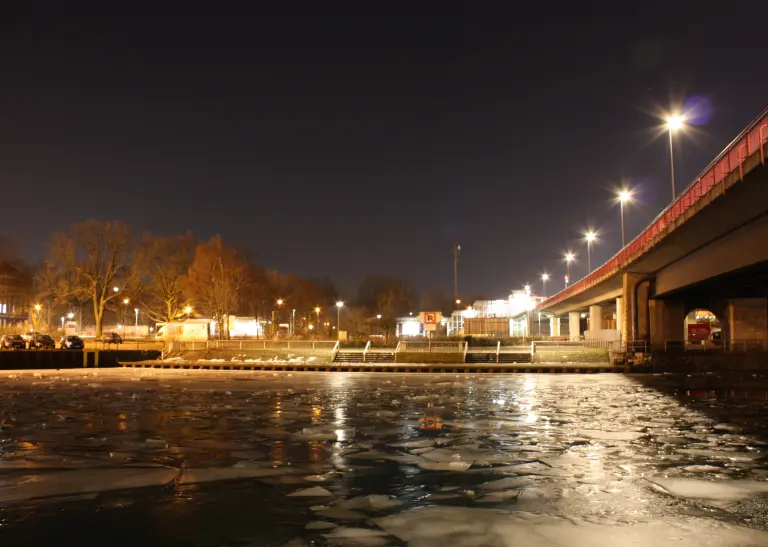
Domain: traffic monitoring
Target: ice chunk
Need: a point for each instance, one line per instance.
(344, 532)
(83, 481)
(320, 525)
(315, 491)
(722, 491)
(445, 466)
(438, 526)
(601, 435)
(703, 468)
(211, 474)
(374, 502)
(504, 484)
(498, 497)
(722, 454)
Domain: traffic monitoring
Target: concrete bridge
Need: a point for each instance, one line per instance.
(708, 249)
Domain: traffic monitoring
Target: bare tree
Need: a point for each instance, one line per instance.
(215, 280)
(88, 263)
(162, 264)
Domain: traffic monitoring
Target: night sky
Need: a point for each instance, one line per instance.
(356, 144)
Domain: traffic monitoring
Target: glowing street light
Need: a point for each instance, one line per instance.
(544, 279)
(339, 305)
(280, 301)
(317, 311)
(71, 315)
(590, 236)
(527, 290)
(674, 123)
(38, 307)
(188, 310)
(116, 289)
(624, 197)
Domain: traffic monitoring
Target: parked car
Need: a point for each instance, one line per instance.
(111, 338)
(12, 341)
(41, 341)
(72, 342)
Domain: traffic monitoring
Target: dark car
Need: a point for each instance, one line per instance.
(12, 341)
(72, 342)
(111, 338)
(41, 341)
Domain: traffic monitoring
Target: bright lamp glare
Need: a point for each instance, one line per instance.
(569, 257)
(625, 196)
(675, 122)
(545, 277)
(590, 236)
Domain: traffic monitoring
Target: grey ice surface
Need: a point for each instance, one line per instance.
(156, 457)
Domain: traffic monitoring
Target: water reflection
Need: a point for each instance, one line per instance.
(554, 445)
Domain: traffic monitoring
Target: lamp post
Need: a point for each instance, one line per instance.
(317, 311)
(274, 314)
(126, 301)
(674, 123)
(569, 257)
(590, 237)
(339, 305)
(544, 279)
(624, 197)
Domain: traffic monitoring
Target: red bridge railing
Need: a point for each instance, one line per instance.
(748, 142)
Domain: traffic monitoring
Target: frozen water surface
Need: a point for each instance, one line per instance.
(131, 457)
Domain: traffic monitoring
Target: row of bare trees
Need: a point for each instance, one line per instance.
(100, 264)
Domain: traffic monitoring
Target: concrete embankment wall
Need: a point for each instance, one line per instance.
(570, 354)
(62, 359)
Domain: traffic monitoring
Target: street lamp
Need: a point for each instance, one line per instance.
(126, 301)
(116, 289)
(624, 197)
(339, 305)
(62, 322)
(188, 310)
(569, 257)
(544, 279)
(317, 311)
(71, 315)
(674, 123)
(590, 237)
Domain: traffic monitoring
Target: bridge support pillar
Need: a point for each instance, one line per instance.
(574, 327)
(667, 322)
(636, 293)
(554, 326)
(748, 322)
(620, 312)
(595, 318)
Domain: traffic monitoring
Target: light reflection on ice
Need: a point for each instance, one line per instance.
(585, 447)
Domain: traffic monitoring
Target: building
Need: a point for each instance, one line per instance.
(495, 318)
(15, 294)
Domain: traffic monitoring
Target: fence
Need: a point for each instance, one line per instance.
(319, 345)
(431, 347)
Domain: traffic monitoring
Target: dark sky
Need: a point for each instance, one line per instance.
(355, 144)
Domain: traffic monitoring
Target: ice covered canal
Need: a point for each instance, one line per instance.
(154, 457)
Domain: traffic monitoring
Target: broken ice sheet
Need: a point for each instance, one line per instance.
(84, 481)
(440, 526)
(211, 474)
(315, 491)
(722, 493)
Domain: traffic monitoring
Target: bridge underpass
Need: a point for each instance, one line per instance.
(707, 250)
